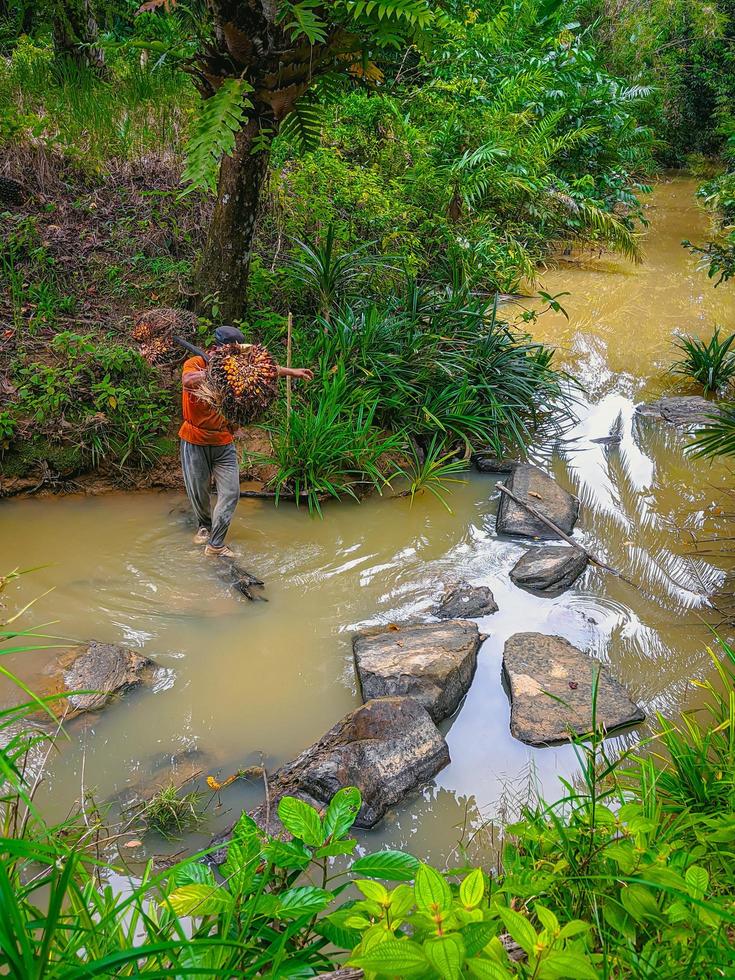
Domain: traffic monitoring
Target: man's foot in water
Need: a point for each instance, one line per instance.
(222, 552)
(202, 536)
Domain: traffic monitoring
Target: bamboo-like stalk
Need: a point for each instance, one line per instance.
(289, 333)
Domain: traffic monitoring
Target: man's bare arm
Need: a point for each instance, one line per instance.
(192, 379)
(284, 372)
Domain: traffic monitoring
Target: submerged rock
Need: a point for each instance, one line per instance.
(548, 570)
(487, 462)
(387, 747)
(466, 602)
(104, 669)
(432, 662)
(545, 495)
(682, 411)
(551, 685)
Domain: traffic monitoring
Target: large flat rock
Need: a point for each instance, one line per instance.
(544, 494)
(682, 411)
(434, 663)
(548, 570)
(465, 601)
(105, 670)
(550, 685)
(387, 747)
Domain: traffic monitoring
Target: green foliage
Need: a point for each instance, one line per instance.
(710, 363)
(328, 447)
(433, 471)
(717, 437)
(213, 135)
(718, 195)
(99, 397)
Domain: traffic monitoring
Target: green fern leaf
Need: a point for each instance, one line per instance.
(213, 136)
(303, 125)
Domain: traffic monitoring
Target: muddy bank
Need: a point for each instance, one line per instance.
(43, 480)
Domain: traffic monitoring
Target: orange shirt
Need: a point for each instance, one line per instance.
(203, 425)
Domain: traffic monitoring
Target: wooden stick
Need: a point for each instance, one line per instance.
(289, 332)
(565, 537)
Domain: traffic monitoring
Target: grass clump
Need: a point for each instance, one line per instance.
(709, 363)
(172, 812)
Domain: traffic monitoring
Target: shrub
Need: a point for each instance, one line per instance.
(710, 363)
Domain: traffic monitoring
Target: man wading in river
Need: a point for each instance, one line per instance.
(208, 450)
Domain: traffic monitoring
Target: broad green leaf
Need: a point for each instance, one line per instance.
(246, 827)
(342, 812)
(305, 900)
(472, 889)
(402, 957)
(547, 919)
(697, 880)
(401, 901)
(477, 935)
(431, 890)
(574, 928)
(519, 928)
(446, 954)
(358, 922)
(488, 969)
(192, 872)
(336, 931)
(563, 964)
(287, 854)
(198, 899)
(374, 891)
(639, 902)
(619, 919)
(336, 848)
(389, 865)
(301, 820)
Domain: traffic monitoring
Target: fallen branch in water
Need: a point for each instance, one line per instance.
(565, 537)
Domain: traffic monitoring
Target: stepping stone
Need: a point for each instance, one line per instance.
(466, 602)
(550, 685)
(548, 570)
(387, 747)
(432, 662)
(543, 494)
(104, 669)
(682, 411)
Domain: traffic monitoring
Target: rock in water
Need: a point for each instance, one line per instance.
(387, 747)
(102, 668)
(487, 462)
(551, 691)
(466, 602)
(682, 411)
(543, 494)
(548, 571)
(432, 662)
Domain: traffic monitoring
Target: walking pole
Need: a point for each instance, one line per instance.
(288, 377)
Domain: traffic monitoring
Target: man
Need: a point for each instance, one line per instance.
(208, 450)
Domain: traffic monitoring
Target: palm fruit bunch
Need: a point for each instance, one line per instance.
(242, 381)
(154, 331)
(12, 192)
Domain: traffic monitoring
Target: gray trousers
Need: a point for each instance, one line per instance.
(200, 464)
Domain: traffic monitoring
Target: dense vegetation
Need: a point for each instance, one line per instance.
(628, 874)
(428, 165)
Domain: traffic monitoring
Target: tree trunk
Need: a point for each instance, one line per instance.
(225, 262)
(76, 33)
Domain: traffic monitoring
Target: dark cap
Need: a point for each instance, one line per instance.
(228, 335)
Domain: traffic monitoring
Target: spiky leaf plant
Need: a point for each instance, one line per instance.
(710, 363)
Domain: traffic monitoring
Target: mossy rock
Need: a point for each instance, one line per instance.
(25, 459)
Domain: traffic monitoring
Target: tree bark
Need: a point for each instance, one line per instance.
(225, 260)
(76, 33)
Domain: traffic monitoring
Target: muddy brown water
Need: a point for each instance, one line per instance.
(258, 682)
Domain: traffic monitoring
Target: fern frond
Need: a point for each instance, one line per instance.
(213, 136)
(303, 125)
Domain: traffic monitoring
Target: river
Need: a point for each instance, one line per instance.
(246, 683)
